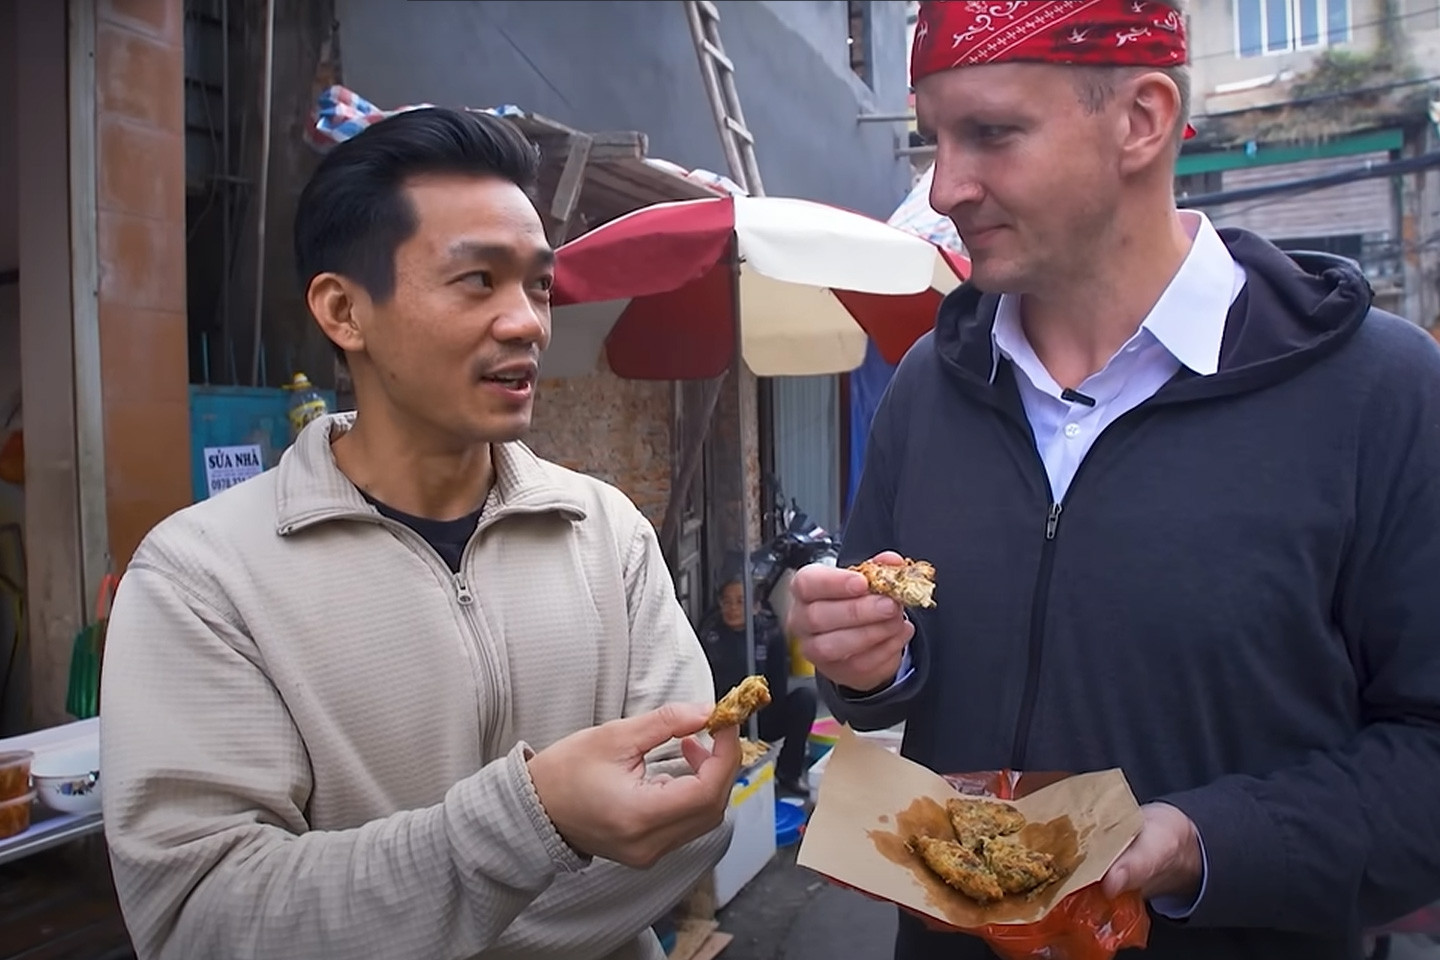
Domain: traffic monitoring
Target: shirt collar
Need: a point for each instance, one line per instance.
(1189, 318)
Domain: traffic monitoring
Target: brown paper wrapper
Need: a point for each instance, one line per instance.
(872, 800)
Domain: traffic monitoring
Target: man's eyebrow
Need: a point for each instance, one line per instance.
(462, 251)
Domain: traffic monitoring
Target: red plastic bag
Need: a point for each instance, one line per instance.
(1424, 921)
(1084, 926)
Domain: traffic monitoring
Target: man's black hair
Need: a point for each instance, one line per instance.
(353, 214)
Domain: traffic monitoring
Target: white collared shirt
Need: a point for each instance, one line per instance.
(1184, 328)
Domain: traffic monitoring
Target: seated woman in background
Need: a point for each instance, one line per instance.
(791, 712)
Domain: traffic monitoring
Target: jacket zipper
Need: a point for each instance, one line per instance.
(1040, 599)
(489, 657)
(489, 681)
(1039, 607)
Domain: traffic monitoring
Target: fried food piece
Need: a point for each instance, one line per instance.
(978, 819)
(751, 751)
(735, 707)
(1018, 868)
(960, 867)
(911, 584)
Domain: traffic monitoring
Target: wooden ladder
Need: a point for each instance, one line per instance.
(718, 72)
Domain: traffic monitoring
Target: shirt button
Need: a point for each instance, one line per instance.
(1072, 430)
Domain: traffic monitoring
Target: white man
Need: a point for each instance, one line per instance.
(415, 692)
(1179, 489)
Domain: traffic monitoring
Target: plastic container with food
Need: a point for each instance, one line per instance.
(15, 774)
(15, 815)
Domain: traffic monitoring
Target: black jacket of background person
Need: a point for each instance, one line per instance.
(725, 649)
(1237, 602)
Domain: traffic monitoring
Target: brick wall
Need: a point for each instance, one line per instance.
(616, 430)
(140, 190)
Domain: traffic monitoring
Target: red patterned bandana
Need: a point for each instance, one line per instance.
(1115, 33)
(1112, 33)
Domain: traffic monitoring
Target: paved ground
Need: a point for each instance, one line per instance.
(788, 913)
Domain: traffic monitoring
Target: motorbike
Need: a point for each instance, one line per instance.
(801, 541)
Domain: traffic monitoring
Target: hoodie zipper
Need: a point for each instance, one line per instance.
(1039, 608)
(1040, 598)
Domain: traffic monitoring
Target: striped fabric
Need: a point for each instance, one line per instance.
(340, 113)
(314, 747)
(915, 215)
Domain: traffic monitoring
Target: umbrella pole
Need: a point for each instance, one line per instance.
(747, 581)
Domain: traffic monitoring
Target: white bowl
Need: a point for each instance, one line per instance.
(68, 781)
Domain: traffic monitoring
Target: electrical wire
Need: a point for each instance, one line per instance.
(1318, 98)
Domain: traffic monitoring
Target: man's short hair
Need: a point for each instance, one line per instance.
(1095, 86)
(353, 214)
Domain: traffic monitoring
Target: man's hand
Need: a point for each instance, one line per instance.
(854, 639)
(594, 789)
(1164, 860)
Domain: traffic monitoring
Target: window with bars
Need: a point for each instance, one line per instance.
(1280, 26)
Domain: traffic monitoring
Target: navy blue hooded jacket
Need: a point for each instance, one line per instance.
(1237, 602)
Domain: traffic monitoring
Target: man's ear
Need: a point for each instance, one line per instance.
(1152, 114)
(340, 307)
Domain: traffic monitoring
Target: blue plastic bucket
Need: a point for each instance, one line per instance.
(789, 821)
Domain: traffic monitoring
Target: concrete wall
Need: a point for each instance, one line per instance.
(1422, 30)
(613, 429)
(140, 229)
(631, 66)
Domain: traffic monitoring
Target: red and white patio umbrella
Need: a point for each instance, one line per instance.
(663, 290)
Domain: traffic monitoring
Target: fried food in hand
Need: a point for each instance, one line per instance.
(735, 707)
(978, 819)
(911, 584)
(1018, 868)
(960, 867)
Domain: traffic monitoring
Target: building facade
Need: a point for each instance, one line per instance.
(1314, 124)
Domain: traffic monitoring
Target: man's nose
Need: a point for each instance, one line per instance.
(522, 320)
(954, 184)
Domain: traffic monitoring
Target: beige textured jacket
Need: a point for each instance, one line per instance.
(313, 735)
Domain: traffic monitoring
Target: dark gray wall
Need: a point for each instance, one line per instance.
(631, 66)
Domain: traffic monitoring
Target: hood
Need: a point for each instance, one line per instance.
(1295, 309)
